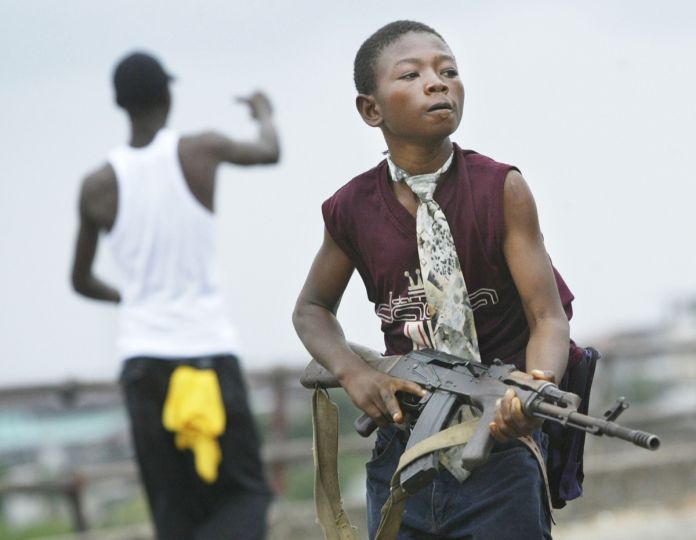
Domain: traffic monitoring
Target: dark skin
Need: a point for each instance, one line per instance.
(418, 104)
(199, 155)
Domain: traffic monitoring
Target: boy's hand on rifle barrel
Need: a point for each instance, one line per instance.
(510, 421)
(374, 393)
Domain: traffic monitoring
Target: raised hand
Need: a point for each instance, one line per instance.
(258, 103)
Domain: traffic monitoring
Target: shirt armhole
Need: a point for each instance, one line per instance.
(340, 233)
(334, 228)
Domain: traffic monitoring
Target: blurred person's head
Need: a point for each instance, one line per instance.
(141, 84)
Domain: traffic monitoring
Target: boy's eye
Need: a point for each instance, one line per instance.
(450, 72)
(409, 75)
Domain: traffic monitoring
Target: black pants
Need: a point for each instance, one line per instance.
(183, 506)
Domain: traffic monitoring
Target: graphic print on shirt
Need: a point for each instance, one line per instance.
(413, 311)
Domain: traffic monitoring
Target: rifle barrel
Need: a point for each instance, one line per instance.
(598, 426)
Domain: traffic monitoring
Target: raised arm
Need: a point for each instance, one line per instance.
(266, 147)
(316, 324)
(97, 211)
(201, 154)
(526, 256)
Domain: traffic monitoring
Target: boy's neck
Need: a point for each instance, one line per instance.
(419, 158)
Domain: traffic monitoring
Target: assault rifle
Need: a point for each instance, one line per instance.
(451, 382)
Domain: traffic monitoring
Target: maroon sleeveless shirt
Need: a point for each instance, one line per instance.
(379, 236)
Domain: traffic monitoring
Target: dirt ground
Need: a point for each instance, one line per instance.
(636, 524)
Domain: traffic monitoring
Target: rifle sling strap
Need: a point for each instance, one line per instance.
(393, 509)
(327, 496)
(530, 443)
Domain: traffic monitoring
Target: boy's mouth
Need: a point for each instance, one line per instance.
(442, 106)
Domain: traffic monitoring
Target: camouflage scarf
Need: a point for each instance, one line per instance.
(448, 299)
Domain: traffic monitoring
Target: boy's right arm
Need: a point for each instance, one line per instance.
(317, 326)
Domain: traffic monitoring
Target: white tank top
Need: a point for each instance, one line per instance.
(163, 239)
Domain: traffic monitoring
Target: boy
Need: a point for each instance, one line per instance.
(153, 200)
(408, 86)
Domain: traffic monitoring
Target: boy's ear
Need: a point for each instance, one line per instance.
(369, 110)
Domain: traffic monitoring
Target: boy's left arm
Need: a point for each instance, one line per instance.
(530, 266)
(84, 281)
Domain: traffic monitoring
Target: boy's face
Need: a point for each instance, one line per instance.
(419, 95)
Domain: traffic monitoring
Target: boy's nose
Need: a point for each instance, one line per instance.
(436, 85)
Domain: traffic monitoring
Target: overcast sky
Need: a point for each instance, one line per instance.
(592, 100)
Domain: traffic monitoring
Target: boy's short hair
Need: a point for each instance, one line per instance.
(140, 81)
(369, 51)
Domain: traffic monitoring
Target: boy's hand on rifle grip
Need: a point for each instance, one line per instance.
(374, 393)
(510, 421)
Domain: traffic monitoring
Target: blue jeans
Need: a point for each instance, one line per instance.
(505, 499)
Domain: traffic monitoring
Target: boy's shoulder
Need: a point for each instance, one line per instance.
(99, 196)
(98, 183)
(484, 175)
(364, 184)
(473, 159)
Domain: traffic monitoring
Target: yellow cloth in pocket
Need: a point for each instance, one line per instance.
(194, 411)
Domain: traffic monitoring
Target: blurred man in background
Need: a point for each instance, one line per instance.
(153, 200)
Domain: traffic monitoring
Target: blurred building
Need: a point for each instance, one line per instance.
(46, 431)
(655, 366)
